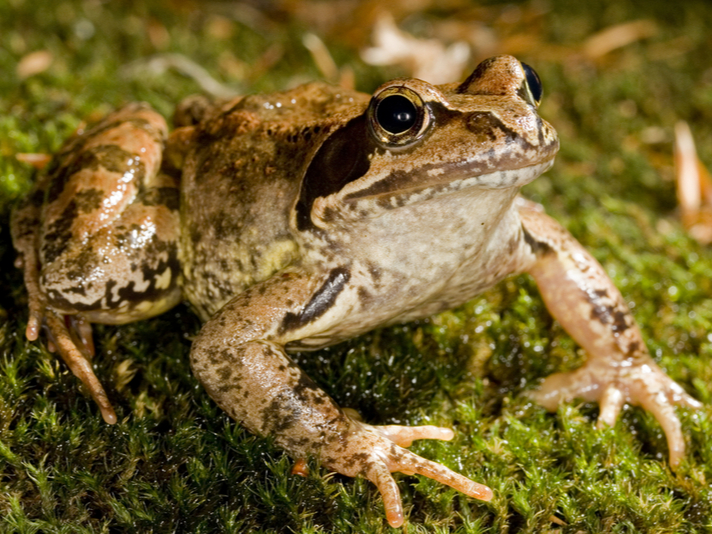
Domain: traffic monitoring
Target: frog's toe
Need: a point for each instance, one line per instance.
(34, 323)
(414, 464)
(659, 394)
(401, 460)
(71, 350)
(409, 464)
(644, 385)
(387, 487)
(404, 436)
(36, 305)
(563, 387)
(80, 330)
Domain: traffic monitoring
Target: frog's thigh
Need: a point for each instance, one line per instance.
(619, 370)
(109, 241)
(124, 272)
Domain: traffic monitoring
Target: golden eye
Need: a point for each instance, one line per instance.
(396, 114)
(398, 117)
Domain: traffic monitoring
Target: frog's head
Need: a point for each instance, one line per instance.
(416, 141)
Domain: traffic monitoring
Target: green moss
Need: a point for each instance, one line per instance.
(175, 462)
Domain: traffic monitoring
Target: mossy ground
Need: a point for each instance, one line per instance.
(176, 463)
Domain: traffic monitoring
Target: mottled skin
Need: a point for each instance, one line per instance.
(311, 216)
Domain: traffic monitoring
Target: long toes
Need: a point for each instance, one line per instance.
(404, 436)
(80, 366)
(664, 413)
(659, 395)
(442, 474)
(644, 385)
(409, 464)
(387, 487)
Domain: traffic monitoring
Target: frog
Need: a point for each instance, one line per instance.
(295, 220)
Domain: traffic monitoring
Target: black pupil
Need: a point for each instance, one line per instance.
(533, 82)
(396, 114)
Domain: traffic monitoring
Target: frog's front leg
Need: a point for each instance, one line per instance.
(239, 357)
(619, 370)
(98, 238)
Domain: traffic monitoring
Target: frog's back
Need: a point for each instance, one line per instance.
(242, 172)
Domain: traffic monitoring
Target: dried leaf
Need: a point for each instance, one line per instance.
(221, 28)
(160, 63)
(347, 77)
(37, 160)
(123, 374)
(34, 63)
(618, 36)
(158, 35)
(321, 56)
(694, 186)
(686, 171)
(427, 59)
(557, 521)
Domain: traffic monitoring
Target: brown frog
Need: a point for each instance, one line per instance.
(295, 220)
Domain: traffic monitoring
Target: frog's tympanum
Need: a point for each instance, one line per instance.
(299, 219)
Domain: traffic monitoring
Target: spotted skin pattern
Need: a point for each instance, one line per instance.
(299, 219)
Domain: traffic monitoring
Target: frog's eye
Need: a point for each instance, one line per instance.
(533, 85)
(396, 114)
(398, 117)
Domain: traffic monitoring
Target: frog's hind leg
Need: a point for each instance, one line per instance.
(75, 353)
(619, 370)
(98, 239)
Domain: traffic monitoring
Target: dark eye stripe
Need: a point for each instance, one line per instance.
(343, 158)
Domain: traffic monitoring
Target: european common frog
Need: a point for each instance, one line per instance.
(299, 219)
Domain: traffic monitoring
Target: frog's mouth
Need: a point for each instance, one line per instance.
(383, 197)
(432, 180)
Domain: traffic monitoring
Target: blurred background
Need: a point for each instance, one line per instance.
(644, 63)
(618, 76)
